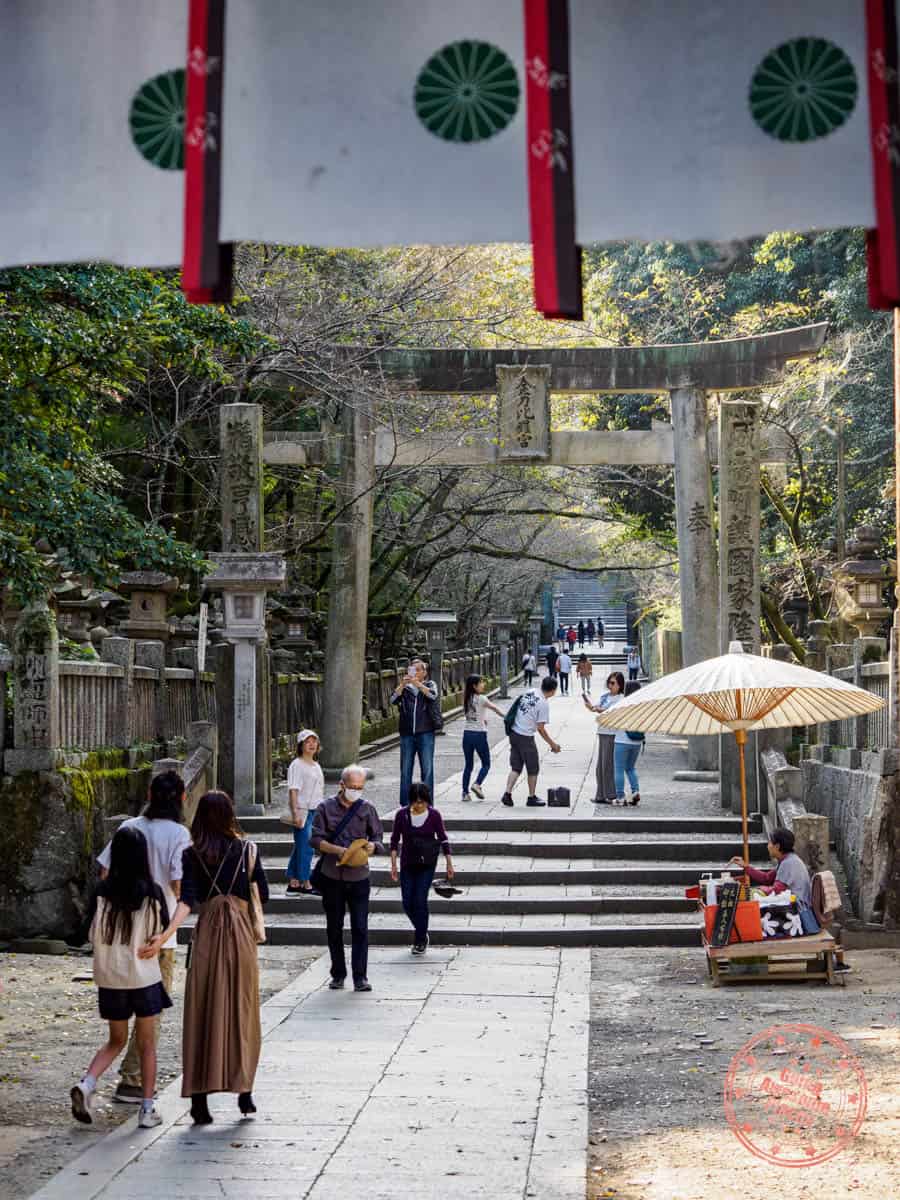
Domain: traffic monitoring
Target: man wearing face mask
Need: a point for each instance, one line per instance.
(346, 832)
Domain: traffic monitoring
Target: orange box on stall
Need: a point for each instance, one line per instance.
(747, 923)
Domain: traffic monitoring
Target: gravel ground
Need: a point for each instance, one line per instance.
(658, 1130)
(49, 1031)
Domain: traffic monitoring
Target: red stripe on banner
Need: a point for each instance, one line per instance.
(192, 280)
(206, 275)
(540, 178)
(551, 185)
(884, 123)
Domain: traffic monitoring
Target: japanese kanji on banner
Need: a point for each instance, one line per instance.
(405, 122)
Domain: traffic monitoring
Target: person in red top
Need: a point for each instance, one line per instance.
(571, 638)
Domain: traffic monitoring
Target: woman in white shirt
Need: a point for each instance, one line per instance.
(605, 774)
(475, 738)
(306, 791)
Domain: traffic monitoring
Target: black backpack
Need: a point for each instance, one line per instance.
(509, 717)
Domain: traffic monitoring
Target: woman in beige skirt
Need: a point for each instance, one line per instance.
(221, 1035)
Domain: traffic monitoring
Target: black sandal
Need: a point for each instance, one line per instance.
(636, 798)
(292, 891)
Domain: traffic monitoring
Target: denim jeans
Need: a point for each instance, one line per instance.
(337, 897)
(625, 761)
(301, 859)
(411, 745)
(414, 886)
(475, 740)
(564, 682)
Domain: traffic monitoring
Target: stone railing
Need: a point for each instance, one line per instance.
(132, 699)
(296, 700)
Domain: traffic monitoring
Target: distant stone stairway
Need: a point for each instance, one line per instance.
(585, 597)
(611, 880)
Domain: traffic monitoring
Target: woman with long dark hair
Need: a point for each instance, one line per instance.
(475, 738)
(126, 912)
(221, 1036)
(605, 772)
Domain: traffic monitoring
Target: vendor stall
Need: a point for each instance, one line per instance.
(760, 939)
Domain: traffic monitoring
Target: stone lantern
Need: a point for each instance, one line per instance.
(434, 625)
(149, 592)
(244, 580)
(860, 583)
(503, 627)
(796, 614)
(535, 624)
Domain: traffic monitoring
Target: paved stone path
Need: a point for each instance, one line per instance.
(464, 1074)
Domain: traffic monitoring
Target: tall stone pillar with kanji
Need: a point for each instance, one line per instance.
(739, 604)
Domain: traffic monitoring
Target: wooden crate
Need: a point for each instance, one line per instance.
(786, 959)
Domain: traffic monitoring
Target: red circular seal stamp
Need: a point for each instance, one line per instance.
(795, 1095)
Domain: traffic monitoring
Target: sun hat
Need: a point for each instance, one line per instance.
(305, 733)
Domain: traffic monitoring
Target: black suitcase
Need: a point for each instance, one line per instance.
(558, 797)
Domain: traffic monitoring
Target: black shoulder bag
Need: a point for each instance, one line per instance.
(317, 875)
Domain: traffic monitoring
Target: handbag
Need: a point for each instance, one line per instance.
(257, 920)
(317, 875)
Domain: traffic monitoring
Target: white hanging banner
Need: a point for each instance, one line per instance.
(403, 122)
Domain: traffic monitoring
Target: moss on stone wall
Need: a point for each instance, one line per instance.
(52, 825)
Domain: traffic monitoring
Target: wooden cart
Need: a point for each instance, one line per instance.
(807, 959)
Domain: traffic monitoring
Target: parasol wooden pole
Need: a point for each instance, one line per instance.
(740, 736)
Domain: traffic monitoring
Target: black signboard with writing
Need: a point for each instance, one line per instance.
(725, 914)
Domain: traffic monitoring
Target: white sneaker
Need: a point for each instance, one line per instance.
(466, 796)
(476, 788)
(82, 1097)
(149, 1120)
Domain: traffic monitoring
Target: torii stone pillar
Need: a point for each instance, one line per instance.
(348, 592)
(739, 604)
(697, 570)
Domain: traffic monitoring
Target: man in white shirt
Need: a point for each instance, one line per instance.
(167, 839)
(531, 718)
(564, 666)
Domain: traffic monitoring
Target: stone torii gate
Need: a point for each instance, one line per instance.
(523, 380)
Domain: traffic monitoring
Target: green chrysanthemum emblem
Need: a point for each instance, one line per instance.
(803, 90)
(467, 92)
(157, 120)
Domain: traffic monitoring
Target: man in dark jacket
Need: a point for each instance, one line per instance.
(347, 887)
(416, 698)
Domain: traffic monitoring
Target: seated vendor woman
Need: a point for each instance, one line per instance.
(790, 875)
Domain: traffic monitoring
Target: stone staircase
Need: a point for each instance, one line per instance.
(585, 596)
(611, 880)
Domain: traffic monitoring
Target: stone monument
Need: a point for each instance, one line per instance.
(35, 666)
(739, 606)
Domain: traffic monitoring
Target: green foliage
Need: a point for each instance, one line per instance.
(74, 344)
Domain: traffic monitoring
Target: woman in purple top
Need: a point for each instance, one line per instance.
(420, 835)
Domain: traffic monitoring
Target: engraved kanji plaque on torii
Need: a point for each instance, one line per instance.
(524, 413)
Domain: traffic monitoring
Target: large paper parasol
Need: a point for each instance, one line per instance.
(739, 691)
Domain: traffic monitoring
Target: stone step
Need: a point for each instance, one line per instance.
(550, 821)
(519, 873)
(485, 931)
(686, 851)
(387, 900)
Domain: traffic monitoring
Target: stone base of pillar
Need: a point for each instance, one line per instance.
(703, 753)
(730, 775)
